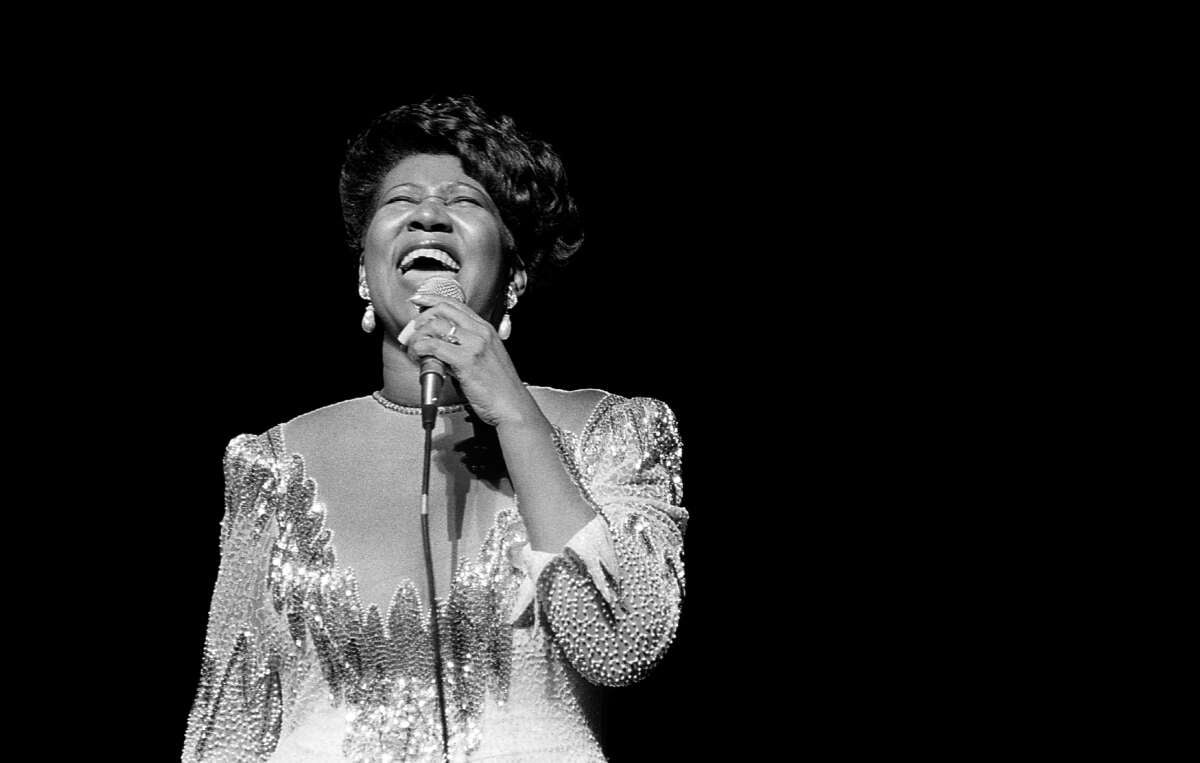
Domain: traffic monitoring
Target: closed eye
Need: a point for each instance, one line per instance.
(458, 201)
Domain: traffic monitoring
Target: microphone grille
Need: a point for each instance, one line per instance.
(440, 286)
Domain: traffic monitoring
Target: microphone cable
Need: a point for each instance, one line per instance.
(433, 613)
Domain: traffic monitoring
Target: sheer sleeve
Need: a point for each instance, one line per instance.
(238, 710)
(611, 599)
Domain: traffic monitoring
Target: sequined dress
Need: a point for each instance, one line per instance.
(296, 668)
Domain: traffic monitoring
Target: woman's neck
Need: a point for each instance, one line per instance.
(401, 378)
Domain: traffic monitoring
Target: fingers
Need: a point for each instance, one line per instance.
(441, 316)
(426, 346)
(452, 310)
(437, 329)
(433, 325)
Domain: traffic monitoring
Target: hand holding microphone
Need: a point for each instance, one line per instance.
(433, 370)
(448, 336)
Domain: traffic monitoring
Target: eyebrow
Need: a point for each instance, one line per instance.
(449, 184)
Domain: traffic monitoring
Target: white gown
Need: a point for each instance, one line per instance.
(297, 668)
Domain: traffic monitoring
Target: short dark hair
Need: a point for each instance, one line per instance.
(524, 176)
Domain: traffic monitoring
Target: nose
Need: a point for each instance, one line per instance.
(430, 216)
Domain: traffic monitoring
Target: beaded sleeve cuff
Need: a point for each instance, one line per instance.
(591, 546)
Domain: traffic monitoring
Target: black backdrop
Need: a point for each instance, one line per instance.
(770, 246)
(745, 262)
(238, 310)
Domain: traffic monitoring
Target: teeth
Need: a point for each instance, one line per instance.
(433, 254)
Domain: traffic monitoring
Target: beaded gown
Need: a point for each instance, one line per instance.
(319, 643)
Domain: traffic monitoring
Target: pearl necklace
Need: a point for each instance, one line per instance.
(398, 408)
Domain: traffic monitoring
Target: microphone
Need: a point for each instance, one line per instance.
(433, 371)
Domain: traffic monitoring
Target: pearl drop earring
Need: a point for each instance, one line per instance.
(368, 319)
(505, 330)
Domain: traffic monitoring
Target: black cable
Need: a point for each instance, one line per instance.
(433, 617)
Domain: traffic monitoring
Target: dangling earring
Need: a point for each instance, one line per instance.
(505, 330)
(368, 319)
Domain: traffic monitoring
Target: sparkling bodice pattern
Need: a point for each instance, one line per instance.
(295, 668)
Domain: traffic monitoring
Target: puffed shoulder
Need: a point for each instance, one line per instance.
(245, 448)
(634, 441)
(254, 451)
(253, 466)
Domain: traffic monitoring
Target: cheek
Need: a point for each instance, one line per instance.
(375, 243)
(377, 276)
(374, 237)
(487, 233)
(382, 226)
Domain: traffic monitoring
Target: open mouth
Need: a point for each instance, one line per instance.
(428, 260)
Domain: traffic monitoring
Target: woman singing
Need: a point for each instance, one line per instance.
(555, 519)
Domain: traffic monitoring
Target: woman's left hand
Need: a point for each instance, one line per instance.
(477, 359)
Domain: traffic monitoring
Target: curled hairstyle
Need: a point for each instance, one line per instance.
(524, 176)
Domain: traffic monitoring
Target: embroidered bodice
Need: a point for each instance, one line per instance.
(296, 668)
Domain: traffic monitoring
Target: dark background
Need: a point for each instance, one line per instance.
(793, 236)
(757, 256)
(234, 307)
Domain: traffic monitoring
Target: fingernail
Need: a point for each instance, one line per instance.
(406, 334)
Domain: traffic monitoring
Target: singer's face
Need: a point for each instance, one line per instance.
(432, 219)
